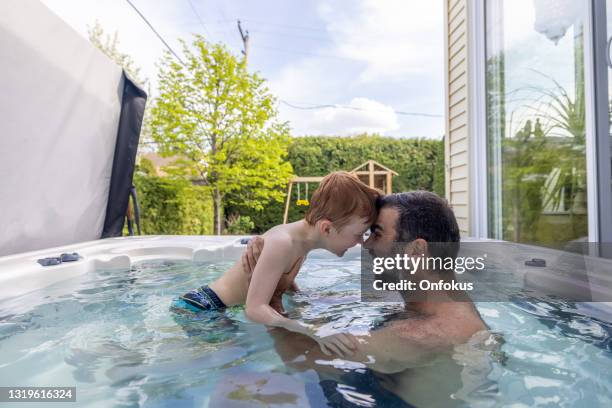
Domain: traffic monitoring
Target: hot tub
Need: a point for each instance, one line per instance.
(103, 324)
(21, 273)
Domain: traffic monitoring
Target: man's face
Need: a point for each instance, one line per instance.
(383, 233)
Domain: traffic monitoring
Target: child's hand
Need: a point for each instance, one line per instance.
(341, 344)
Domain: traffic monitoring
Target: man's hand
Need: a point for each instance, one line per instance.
(251, 255)
(341, 344)
(249, 259)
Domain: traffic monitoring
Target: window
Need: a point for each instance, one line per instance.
(535, 120)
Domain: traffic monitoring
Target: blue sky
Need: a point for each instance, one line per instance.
(381, 58)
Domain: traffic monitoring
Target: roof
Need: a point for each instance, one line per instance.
(376, 164)
(158, 161)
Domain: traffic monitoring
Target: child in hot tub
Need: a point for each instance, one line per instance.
(341, 211)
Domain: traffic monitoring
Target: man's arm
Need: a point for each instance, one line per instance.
(251, 254)
(382, 350)
(390, 350)
(414, 341)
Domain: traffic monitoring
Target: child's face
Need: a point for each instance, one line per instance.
(348, 236)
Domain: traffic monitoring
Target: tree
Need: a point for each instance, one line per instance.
(222, 124)
(109, 45)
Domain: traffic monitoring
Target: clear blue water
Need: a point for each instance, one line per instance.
(113, 337)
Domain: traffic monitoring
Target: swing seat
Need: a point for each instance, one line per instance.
(302, 202)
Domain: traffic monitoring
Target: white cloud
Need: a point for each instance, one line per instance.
(360, 115)
(394, 38)
(390, 52)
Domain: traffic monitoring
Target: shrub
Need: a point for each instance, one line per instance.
(239, 224)
(419, 162)
(173, 207)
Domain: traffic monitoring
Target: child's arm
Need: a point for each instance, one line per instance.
(272, 263)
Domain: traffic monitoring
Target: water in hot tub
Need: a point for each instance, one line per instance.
(111, 334)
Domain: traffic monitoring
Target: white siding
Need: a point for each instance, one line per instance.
(457, 100)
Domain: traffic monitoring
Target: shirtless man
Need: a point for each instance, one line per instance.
(437, 323)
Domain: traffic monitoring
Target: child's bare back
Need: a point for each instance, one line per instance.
(233, 285)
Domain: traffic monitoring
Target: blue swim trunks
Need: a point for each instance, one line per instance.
(203, 298)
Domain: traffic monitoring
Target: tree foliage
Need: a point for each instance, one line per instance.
(109, 45)
(419, 162)
(173, 207)
(222, 121)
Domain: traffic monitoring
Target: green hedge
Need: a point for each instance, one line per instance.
(419, 162)
(174, 207)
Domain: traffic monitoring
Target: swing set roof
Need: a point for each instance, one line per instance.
(378, 168)
(361, 169)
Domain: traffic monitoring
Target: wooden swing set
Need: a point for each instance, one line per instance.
(371, 173)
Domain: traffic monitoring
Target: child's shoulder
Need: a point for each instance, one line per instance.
(279, 233)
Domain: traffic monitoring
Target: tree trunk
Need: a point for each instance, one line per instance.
(217, 211)
(216, 193)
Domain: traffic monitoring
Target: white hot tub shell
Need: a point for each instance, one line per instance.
(21, 273)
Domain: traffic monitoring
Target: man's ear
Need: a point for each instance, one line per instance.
(418, 247)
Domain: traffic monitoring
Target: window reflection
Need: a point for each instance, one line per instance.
(536, 120)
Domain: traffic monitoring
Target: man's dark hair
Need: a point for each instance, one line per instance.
(425, 215)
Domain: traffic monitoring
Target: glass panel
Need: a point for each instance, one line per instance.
(536, 120)
(609, 60)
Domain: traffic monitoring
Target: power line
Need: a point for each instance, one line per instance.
(198, 17)
(336, 106)
(289, 104)
(219, 22)
(269, 30)
(227, 31)
(302, 53)
(155, 31)
(286, 25)
(278, 33)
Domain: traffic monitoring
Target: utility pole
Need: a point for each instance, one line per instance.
(245, 41)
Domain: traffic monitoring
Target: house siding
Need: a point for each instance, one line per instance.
(457, 118)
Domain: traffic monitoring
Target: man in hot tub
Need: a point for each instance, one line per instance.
(442, 321)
